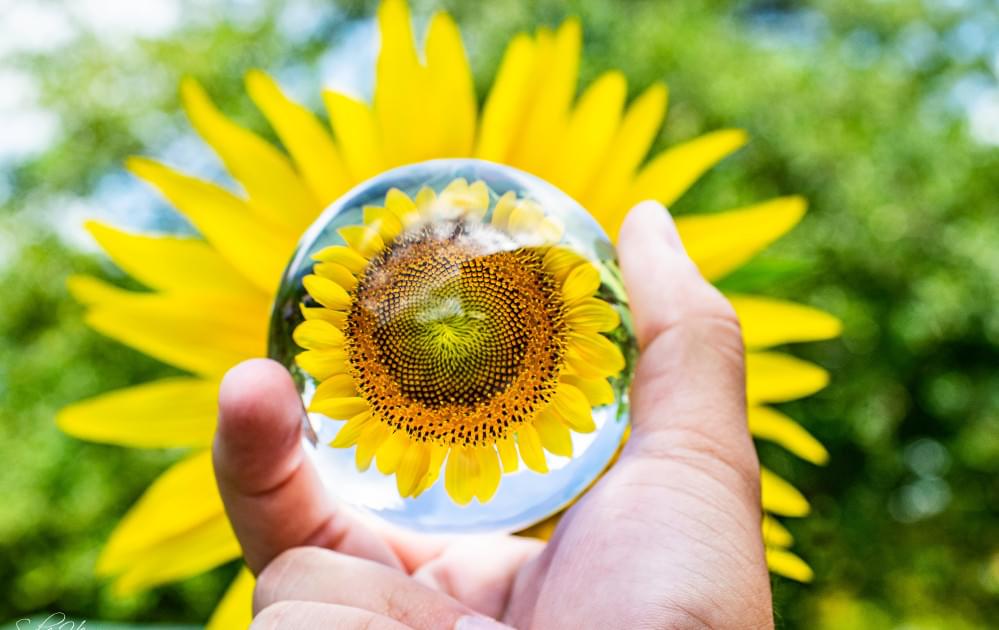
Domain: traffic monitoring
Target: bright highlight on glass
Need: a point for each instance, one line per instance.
(460, 336)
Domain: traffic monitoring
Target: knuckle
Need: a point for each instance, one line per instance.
(713, 307)
(736, 468)
(712, 345)
(720, 332)
(709, 318)
(718, 316)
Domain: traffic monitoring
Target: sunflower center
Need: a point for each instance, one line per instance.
(459, 343)
(452, 340)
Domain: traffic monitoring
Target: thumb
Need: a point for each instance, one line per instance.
(689, 392)
(273, 496)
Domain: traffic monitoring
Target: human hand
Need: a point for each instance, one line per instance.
(669, 537)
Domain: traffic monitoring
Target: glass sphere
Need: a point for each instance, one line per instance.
(460, 336)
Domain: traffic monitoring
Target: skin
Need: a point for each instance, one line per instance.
(668, 538)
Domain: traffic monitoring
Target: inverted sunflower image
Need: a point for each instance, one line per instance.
(209, 297)
(453, 329)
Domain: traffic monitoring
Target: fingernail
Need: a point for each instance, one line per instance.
(478, 622)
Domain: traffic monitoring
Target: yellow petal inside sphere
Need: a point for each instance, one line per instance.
(342, 255)
(553, 433)
(531, 451)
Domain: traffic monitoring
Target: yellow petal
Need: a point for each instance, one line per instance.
(204, 333)
(387, 222)
(773, 377)
(357, 134)
(554, 435)
(478, 198)
(573, 408)
(451, 97)
(461, 475)
(257, 248)
(507, 450)
(236, 608)
(560, 261)
(437, 455)
(340, 408)
(524, 218)
(531, 451)
(501, 211)
(399, 100)
(389, 455)
(460, 198)
(489, 473)
(768, 322)
(634, 136)
(276, 192)
(769, 424)
(589, 134)
(592, 355)
(170, 262)
(372, 437)
(675, 170)
(337, 386)
(342, 255)
(350, 432)
(723, 241)
(92, 292)
(363, 239)
(581, 283)
(598, 391)
(510, 94)
(169, 413)
(554, 86)
(316, 334)
(775, 534)
(593, 315)
(549, 231)
(326, 292)
(181, 499)
(456, 186)
(425, 201)
(322, 364)
(303, 136)
(780, 497)
(191, 553)
(337, 273)
(412, 469)
(528, 224)
(783, 562)
(337, 318)
(399, 204)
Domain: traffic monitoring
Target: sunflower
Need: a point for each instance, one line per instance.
(210, 296)
(451, 328)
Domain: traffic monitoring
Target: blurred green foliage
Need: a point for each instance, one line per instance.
(875, 110)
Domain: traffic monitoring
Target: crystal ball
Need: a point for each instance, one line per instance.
(460, 336)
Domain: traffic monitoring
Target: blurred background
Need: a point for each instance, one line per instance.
(884, 113)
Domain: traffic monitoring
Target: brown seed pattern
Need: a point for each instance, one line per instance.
(453, 342)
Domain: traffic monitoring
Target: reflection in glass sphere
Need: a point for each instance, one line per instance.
(461, 339)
